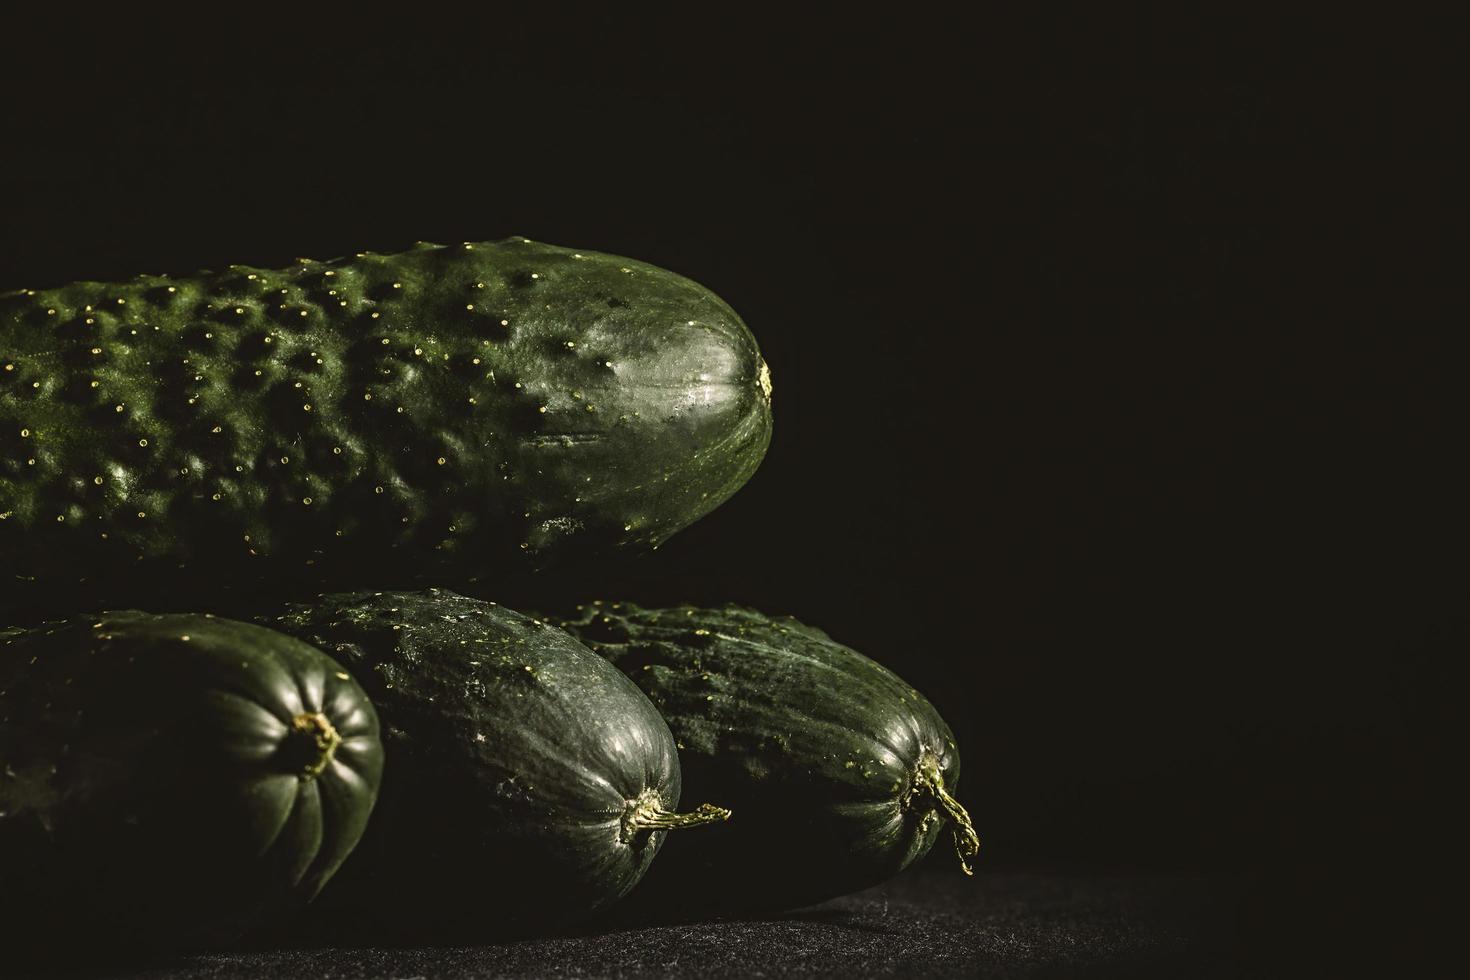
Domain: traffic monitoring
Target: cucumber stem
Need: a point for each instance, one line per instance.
(648, 813)
(929, 783)
(323, 746)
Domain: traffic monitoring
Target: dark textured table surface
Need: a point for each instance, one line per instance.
(933, 922)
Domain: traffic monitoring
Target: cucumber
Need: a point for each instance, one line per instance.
(528, 784)
(441, 415)
(169, 781)
(841, 774)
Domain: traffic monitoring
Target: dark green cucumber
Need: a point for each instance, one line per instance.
(168, 781)
(528, 782)
(841, 774)
(449, 412)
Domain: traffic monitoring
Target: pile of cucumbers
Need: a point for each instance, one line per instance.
(249, 520)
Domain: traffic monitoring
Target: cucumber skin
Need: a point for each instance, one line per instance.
(450, 412)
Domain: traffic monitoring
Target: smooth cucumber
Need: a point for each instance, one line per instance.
(169, 781)
(528, 783)
(443, 414)
(841, 774)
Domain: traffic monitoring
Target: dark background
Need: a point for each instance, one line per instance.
(1109, 357)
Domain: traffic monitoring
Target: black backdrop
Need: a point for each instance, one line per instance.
(1108, 358)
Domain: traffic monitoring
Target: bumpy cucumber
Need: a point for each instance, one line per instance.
(450, 411)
